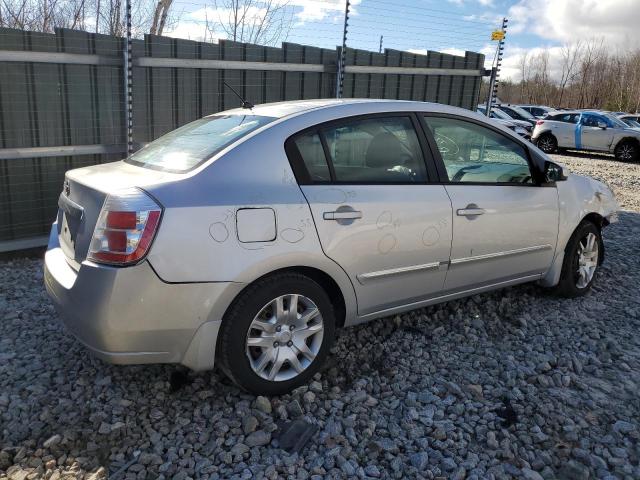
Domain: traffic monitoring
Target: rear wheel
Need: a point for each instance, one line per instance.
(276, 334)
(581, 261)
(627, 151)
(547, 143)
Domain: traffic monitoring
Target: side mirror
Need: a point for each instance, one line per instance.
(554, 172)
(602, 125)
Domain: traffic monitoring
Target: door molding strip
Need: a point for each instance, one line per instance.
(507, 253)
(366, 277)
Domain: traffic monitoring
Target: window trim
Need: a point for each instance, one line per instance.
(537, 170)
(301, 172)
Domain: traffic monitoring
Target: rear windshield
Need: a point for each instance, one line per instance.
(190, 145)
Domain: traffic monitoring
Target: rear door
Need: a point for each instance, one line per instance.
(366, 181)
(564, 127)
(504, 225)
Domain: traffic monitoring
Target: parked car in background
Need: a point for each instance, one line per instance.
(538, 111)
(517, 113)
(630, 121)
(505, 118)
(630, 116)
(587, 130)
(246, 238)
(524, 133)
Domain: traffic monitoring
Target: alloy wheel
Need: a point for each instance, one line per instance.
(626, 152)
(546, 144)
(285, 337)
(588, 251)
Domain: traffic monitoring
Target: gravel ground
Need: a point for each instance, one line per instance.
(511, 384)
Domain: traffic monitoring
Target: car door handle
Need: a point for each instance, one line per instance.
(342, 215)
(469, 212)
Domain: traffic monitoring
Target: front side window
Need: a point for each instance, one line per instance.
(192, 144)
(472, 153)
(589, 120)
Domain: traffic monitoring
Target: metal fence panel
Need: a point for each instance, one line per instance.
(71, 100)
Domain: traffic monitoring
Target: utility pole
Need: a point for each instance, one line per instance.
(343, 52)
(380, 49)
(495, 70)
(128, 81)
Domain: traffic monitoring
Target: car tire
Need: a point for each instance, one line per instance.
(582, 258)
(627, 151)
(547, 143)
(264, 347)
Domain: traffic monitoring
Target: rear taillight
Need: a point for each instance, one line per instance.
(125, 228)
(539, 122)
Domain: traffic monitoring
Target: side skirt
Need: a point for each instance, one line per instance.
(443, 298)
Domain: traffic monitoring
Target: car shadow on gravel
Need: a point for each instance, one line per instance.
(588, 155)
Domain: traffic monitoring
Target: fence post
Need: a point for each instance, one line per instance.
(128, 81)
(343, 51)
(495, 71)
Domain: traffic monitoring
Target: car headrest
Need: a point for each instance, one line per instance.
(385, 150)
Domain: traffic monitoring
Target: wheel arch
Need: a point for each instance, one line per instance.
(339, 299)
(552, 276)
(633, 140)
(600, 222)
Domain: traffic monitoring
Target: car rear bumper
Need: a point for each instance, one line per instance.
(130, 316)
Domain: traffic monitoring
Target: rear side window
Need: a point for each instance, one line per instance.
(370, 150)
(190, 145)
(475, 154)
(310, 148)
(565, 117)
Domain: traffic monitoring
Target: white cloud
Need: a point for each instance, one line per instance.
(486, 3)
(191, 30)
(317, 10)
(615, 21)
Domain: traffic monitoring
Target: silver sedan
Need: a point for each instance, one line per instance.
(246, 238)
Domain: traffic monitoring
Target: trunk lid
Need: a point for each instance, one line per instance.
(83, 195)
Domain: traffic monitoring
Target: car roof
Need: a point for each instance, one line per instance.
(565, 112)
(281, 110)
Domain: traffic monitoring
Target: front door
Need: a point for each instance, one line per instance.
(375, 213)
(504, 225)
(595, 132)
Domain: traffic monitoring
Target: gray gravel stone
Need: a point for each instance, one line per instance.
(52, 441)
(263, 404)
(419, 460)
(529, 474)
(258, 438)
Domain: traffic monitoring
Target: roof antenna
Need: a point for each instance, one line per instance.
(245, 103)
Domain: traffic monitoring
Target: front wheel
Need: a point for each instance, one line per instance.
(627, 152)
(276, 334)
(582, 258)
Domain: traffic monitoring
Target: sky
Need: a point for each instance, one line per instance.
(450, 26)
